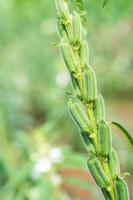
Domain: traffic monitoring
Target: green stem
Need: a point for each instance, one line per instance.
(80, 84)
(96, 144)
(94, 127)
(107, 171)
(80, 76)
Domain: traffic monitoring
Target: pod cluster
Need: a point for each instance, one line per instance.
(86, 106)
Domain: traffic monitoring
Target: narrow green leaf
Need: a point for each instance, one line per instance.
(127, 134)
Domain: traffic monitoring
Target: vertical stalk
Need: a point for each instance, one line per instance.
(87, 114)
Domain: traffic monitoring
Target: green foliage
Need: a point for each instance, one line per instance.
(105, 2)
(40, 171)
(124, 131)
(32, 84)
(27, 78)
(82, 107)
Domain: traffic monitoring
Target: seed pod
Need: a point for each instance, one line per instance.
(61, 30)
(97, 172)
(76, 28)
(114, 164)
(106, 194)
(87, 142)
(75, 85)
(99, 109)
(68, 55)
(90, 84)
(121, 189)
(105, 140)
(84, 53)
(62, 8)
(80, 117)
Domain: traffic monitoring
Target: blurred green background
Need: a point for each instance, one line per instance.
(41, 154)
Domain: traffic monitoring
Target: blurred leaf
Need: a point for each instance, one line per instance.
(124, 131)
(45, 189)
(105, 2)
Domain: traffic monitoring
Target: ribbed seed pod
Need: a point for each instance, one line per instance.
(105, 140)
(106, 195)
(97, 172)
(121, 190)
(68, 55)
(84, 53)
(76, 28)
(99, 109)
(114, 164)
(62, 8)
(80, 117)
(61, 30)
(87, 142)
(75, 85)
(90, 84)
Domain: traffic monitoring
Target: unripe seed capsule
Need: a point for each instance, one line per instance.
(61, 30)
(84, 53)
(76, 28)
(97, 172)
(87, 142)
(114, 164)
(74, 82)
(90, 84)
(75, 85)
(106, 194)
(105, 140)
(121, 190)
(80, 117)
(99, 109)
(62, 7)
(68, 55)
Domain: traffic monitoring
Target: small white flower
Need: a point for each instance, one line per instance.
(42, 166)
(55, 155)
(56, 180)
(62, 79)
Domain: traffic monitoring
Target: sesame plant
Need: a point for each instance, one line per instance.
(86, 104)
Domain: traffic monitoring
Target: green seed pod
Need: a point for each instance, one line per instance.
(90, 84)
(76, 28)
(121, 190)
(99, 109)
(97, 172)
(80, 117)
(61, 30)
(75, 85)
(68, 55)
(105, 140)
(62, 8)
(84, 53)
(106, 195)
(87, 142)
(114, 164)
